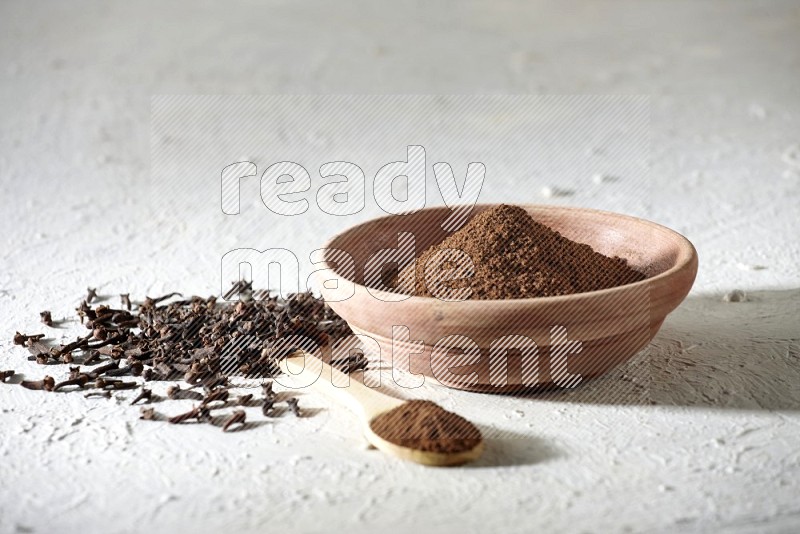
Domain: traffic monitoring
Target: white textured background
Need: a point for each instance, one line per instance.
(718, 451)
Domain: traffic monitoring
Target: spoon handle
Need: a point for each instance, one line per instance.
(310, 371)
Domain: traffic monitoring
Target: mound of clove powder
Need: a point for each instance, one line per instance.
(425, 426)
(514, 257)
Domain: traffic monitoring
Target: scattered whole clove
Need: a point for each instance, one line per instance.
(145, 395)
(212, 382)
(219, 395)
(102, 383)
(238, 417)
(105, 394)
(85, 312)
(121, 384)
(168, 337)
(100, 333)
(175, 392)
(192, 378)
(79, 381)
(137, 368)
(294, 406)
(108, 341)
(22, 339)
(105, 368)
(112, 383)
(92, 358)
(148, 413)
(48, 383)
(134, 369)
(194, 413)
(151, 374)
(5, 375)
(150, 302)
(267, 407)
(204, 414)
(69, 347)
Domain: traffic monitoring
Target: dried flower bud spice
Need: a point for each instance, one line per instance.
(186, 338)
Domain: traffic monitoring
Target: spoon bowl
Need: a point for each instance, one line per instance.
(309, 371)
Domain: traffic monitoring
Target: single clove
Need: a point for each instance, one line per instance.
(5, 375)
(111, 383)
(100, 333)
(175, 392)
(148, 413)
(204, 415)
(109, 341)
(45, 358)
(91, 294)
(47, 318)
(268, 407)
(85, 312)
(23, 339)
(79, 381)
(150, 302)
(294, 406)
(194, 413)
(238, 417)
(151, 374)
(146, 395)
(104, 394)
(216, 381)
(103, 369)
(48, 383)
(125, 299)
(92, 358)
(80, 342)
(217, 395)
(192, 378)
(134, 369)
(124, 385)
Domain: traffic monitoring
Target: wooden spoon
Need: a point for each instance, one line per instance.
(368, 404)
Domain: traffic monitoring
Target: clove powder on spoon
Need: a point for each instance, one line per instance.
(514, 257)
(425, 426)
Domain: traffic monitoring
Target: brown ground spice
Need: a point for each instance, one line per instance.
(516, 257)
(426, 426)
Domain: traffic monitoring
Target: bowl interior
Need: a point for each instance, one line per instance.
(648, 248)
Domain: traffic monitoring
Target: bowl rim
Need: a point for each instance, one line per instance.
(687, 255)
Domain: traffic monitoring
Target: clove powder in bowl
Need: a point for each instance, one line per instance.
(512, 257)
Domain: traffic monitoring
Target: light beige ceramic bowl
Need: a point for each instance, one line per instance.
(561, 341)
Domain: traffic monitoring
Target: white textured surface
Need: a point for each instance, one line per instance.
(719, 450)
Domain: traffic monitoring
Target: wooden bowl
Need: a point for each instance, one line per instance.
(510, 346)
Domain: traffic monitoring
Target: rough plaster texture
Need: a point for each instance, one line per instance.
(704, 433)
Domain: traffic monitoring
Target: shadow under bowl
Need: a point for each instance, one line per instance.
(513, 345)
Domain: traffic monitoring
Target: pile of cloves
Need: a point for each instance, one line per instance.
(202, 341)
